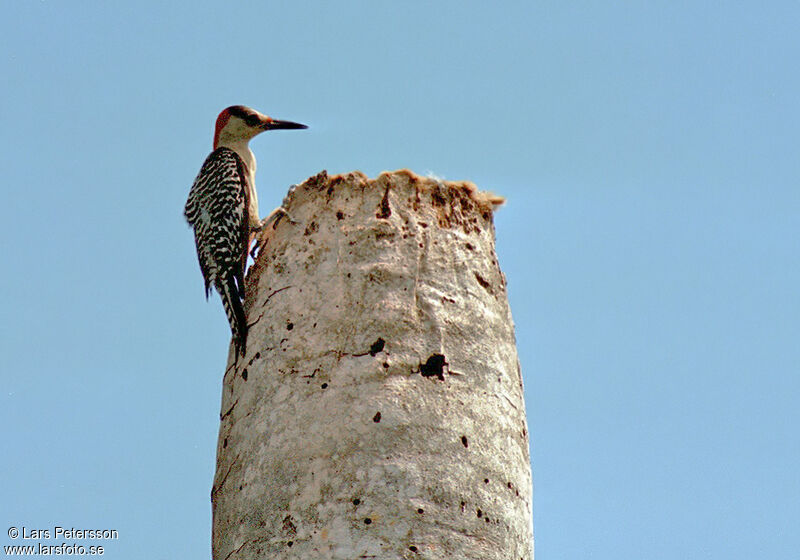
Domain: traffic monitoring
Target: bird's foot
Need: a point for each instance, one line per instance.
(255, 247)
(275, 217)
(263, 236)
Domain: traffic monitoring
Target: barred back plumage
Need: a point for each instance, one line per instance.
(216, 209)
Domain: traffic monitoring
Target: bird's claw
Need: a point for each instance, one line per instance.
(256, 247)
(273, 219)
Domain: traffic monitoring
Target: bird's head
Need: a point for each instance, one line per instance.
(238, 124)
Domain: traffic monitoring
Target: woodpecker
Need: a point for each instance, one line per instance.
(223, 209)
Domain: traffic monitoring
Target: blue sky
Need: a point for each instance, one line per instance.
(648, 151)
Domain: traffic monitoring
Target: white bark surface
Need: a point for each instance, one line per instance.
(378, 411)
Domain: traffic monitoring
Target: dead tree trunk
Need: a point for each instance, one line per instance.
(378, 411)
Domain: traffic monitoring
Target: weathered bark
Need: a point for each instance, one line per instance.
(378, 411)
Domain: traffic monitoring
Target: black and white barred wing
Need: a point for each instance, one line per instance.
(216, 209)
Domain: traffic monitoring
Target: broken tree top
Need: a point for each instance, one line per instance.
(395, 206)
(458, 203)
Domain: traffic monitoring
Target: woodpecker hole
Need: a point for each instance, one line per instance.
(464, 441)
(367, 521)
(377, 346)
(384, 211)
(289, 326)
(479, 513)
(289, 544)
(244, 374)
(434, 366)
(289, 526)
(324, 385)
(224, 443)
(377, 417)
(356, 501)
(483, 282)
(340, 215)
(420, 510)
(412, 548)
(486, 481)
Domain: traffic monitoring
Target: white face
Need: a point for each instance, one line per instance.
(246, 128)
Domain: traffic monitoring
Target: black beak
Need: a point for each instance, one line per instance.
(277, 125)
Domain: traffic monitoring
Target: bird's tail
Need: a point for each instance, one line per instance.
(234, 309)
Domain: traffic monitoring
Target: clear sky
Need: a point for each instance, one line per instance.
(649, 154)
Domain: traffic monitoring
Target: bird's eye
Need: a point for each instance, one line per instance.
(253, 120)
